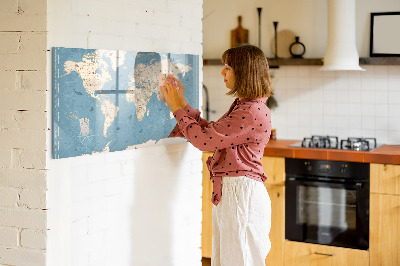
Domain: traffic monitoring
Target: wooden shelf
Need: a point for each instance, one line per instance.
(273, 63)
(295, 62)
(380, 61)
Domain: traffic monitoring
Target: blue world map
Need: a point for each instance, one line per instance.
(110, 100)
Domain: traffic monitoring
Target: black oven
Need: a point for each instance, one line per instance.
(327, 202)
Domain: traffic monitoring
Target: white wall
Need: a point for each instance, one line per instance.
(311, 102)
(23, 133)
(304, 18)
(136, 207)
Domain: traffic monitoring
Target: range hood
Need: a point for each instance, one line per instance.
(341, 51)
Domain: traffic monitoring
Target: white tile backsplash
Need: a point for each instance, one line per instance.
(291, 71)
(394, 82)
(367, 122)
(329, 109)
(380, 71)
(394, 123)
(381, 122)
(342, 123)
(381, 110)
(343, 103)
(382, 136)
(342, 96)
(304, 72)
(381, 97)
(394, 110)
(393, 71)
(394, 97)
(367, 96)
(292, 82)
(342, 109)
(381, 84)
(304, 82)
(394, 137)
(355, 96)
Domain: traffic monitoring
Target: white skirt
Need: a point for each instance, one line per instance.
(241, 223)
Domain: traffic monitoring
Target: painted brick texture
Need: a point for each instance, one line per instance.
(23, 218)
(136, 207)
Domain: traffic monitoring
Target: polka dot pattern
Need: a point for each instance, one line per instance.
(238, 139)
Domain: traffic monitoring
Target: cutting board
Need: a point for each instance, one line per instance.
(239, 35)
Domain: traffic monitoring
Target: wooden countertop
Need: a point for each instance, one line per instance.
(389, 154)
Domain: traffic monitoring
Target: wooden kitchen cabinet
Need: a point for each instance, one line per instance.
(305, 254)
(384, 236)
(385, 178)
(274, 168)
(206, 225)
(277, 233)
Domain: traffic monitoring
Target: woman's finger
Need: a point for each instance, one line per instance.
(178, 82)
(172, 80)
(163, 89)
(170, 88)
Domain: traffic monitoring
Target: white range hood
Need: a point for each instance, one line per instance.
(341, 51)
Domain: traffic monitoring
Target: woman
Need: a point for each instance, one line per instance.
(242, 208)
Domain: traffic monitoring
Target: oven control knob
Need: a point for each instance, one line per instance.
(308, 166)
(343, 168)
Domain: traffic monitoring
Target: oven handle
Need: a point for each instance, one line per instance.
(357, 185)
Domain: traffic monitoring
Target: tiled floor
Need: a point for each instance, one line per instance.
(206, 261)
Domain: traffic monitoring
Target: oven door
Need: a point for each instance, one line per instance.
(327, 213)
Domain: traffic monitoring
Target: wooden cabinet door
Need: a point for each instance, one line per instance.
(384, 236)
(274, 168)
(304, 254)
(277, 233)
(206, 225)
(385, 178)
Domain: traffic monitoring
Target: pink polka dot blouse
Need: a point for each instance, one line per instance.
(238, 139)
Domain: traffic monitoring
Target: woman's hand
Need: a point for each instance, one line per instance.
(180, 88)
(181, 91)
(172, 96)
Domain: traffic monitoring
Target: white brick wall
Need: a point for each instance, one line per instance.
(33, 239)
(9, 237)
(23, 132)
(136, 207)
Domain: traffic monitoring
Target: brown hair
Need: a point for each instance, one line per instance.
(250, 66)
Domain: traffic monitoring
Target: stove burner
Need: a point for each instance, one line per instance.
(328, 142)
(332, 142)
(358, 144)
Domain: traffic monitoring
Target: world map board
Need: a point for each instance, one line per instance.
(110, 100)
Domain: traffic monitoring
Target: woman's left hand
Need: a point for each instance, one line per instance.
(171, 95)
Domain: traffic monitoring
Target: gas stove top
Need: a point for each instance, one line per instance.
(332, 142)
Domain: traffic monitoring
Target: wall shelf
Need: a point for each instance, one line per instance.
(380, 61)
(274, 63)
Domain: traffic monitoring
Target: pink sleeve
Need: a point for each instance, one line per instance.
(193, 113)
(229, 131)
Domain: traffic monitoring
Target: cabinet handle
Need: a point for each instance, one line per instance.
(324, 254)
